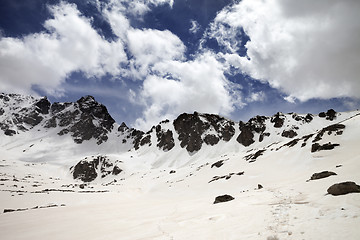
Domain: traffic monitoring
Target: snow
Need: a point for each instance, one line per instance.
(147, 202)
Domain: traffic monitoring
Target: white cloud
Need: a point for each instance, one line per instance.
(306, 49)
(195, 26)
(46, 59)
(152, 46)
(198, 85)
(256, 97)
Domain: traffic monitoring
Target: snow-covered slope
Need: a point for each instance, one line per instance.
(71, 172)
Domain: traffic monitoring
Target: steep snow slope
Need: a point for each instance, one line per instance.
(169, 193)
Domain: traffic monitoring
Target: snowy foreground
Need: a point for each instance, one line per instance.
(146, 201)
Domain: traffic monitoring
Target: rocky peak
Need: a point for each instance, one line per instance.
(84, 119)
(278, 120)
(43, 106)
(329, 115)
(255, 124)
(194, 129)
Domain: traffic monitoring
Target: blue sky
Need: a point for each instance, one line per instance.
(148, 60)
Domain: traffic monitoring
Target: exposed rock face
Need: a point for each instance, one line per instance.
(327, 146)
(43, 106)
(308, 118)
(88, 170)
(289, 133)
(337, 128)
(84, 119)
(278, 120)
(343, 188)
(9, 132)
(321, 175)
(223, 198)
(329, 115)
(191, 128)
(253, 157)
(255, 124)
(23, 112)
(94, 121)
(165, 139)
(246, 137)
(218, 164)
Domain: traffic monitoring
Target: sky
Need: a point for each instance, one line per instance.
(150, 60)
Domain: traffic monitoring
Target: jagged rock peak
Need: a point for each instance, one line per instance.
(195, 129)
(83, 119)
(255, 124)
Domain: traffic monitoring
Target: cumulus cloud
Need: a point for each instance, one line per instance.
(150, 46)
(45, 59)
(307, 49)
(179, 86)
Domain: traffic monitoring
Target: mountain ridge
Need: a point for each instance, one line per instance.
(87, 119)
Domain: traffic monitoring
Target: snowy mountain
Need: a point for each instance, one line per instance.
(272, 177)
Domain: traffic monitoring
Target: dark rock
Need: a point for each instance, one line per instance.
(211, 139)
(262, 135)
(322, 114)
(292, 143)
(343, 188)
(254, 156)
(90, 119)
(123, 128)
(278, 120)
(43, 106)
(260, 186)
(223, 198)
(226, 177)
(330, 114)
(172, 171)
(255, 124)
(246, 137)
(218, 164)
(51, 123)
(289, 133)
(308, 117)
(323, 174)
(85, 170)
(165, 139)
(58, 107)
(32, 119)
(191, 127)
(327, 146)
(137, 136)
(329, 129)
(88, 170)
(9, 132)
(116, 170)
(145, 140)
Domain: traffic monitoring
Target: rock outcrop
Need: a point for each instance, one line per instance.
(193, 129)
(323, 174)
(223, 198)
(343, 188)
(89, 169)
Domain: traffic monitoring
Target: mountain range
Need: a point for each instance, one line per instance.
(275, 176)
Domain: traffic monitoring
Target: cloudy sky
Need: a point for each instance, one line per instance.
(148, 60)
